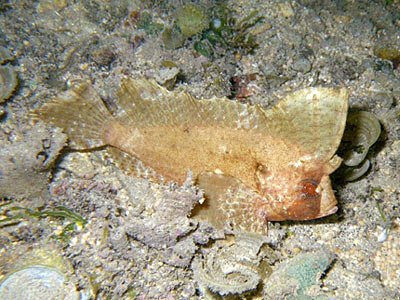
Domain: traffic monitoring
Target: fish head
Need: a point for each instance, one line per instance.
(311, 199)
(293, 195)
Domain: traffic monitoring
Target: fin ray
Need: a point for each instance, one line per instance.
(228, 203)
(313, 119)
(131, 165)
(145, 103)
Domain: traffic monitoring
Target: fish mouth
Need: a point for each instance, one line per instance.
(331, 211)
(328, 204)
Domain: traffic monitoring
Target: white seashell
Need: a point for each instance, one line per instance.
(37, 282)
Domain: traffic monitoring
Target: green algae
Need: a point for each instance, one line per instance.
(213, 29)
(191, 19)
(148, 25)
(12, 215)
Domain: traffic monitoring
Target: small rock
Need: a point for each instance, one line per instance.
(25, 164)
(302, 65)
(298, 276)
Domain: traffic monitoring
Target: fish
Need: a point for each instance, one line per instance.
(254, 165)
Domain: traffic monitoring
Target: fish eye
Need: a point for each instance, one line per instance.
(308, 189)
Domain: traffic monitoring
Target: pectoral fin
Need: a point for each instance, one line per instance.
(229, 203)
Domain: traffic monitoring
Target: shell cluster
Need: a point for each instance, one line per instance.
(363, 130)
(8, 76)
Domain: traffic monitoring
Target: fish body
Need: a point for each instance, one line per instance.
(254, 165)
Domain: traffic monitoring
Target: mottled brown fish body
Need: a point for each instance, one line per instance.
(172, 152)
(253, 165)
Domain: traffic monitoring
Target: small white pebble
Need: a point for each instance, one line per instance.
(383, 235)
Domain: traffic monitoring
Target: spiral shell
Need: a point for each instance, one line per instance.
(364, 130)
(353, 173)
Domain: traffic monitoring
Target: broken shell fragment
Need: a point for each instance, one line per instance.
(228, 269)
(8, 82)
(363, 131)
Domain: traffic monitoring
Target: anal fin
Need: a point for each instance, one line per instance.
(131, 165)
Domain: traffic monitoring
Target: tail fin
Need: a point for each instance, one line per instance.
(80, 113)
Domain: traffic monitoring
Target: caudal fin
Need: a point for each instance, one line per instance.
(80, 113)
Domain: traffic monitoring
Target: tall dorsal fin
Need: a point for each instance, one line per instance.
(312, 120)
(145, 103)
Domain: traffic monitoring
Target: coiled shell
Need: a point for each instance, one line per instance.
(364, 131)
